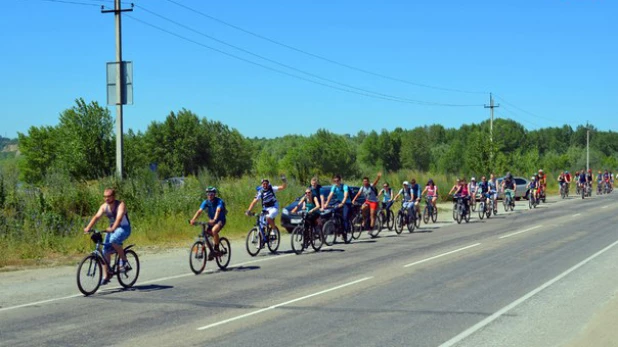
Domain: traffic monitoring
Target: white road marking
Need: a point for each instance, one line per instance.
(606, 206)
(519, 232)
(441, 255)
(502, 311)
(282, 304)
(140, 283)
(576, 215)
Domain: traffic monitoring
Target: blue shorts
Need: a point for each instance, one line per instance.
(117, 237)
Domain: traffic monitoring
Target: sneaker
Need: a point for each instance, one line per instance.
(104, 281)
(211, 256)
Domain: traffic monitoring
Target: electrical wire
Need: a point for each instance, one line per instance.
(262, 37)
(524, 111)
(68, 2)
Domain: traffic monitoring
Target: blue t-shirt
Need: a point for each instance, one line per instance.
(211, 208)
(338, 192)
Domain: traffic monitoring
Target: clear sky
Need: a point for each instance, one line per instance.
(550, 62)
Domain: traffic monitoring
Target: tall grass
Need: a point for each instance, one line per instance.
(42, 223)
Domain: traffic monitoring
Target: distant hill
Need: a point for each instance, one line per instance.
(8, 145)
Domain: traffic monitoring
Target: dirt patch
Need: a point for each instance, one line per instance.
(601, 330)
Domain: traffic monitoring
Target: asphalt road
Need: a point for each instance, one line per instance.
(525, 278)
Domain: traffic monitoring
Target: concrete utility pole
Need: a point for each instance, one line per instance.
(587, 146)
(491, 123)
(119, 85)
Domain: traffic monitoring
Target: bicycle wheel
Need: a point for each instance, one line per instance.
(487, 211)
(530, 202)
(390, 220)
(89, 274)
(317, 238)
(357, 226)
(473, 204)
(481, 210)
(225, 253)
(399, 222)
(297, 239)
(426, 215)
(411, 223)
(346, 233)
(273, 240)
(467, 214)
(512, 205)
(377, 227)
(434, 214)
(128, 277)
(254, 242)
(455, 211)
(197, 257)
(329, 233)
(459, 213)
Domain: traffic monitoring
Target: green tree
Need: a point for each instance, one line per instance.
(39, 149)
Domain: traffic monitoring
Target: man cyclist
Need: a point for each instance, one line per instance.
(408, 198)
(484, 191)
(118, 231)
(567, 181)
(215, 208)
(371, 199)
(533, 187)
(266, 194)
(342, 194)
(493, 189)
(589, 180)
(542, 179)
(509, 188)
(316, 190)
(583, 181)
(561, 180)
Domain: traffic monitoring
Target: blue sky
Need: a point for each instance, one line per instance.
(550, 62)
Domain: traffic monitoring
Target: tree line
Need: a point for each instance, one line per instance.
(83, 146)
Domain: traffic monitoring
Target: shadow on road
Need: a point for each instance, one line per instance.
(240, 268)
(328, 250)
(140, 288)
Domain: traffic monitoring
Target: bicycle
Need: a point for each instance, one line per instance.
(461, 211)
(361, 222)
(388, 216)
(599, 188)
(197, 255)
(484, 210)
(563, 193)
(306, 234)
(334, 226)
(430, 211)
(532, 200)
(262, 235)
(508, 202)
(92, 264)
(404, 218)
(473, 201)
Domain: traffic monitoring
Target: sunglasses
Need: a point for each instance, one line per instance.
(108, 196)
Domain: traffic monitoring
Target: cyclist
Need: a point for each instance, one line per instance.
(589, 179)
(567, 180)
(463, 192)
(342, 194)
(493, 188)
(215, 208)
(387, 196)
(582, 181)
(472, 188)
(118, 231)
(606, 179)
(432, 192)
(311, 204)
(542, 179)
(371, 199)
(561, 179)
(455, 187)
(266, 193)
(533, 187)
(508, 187)
(484, 191)
(408, 197)
(316, 190)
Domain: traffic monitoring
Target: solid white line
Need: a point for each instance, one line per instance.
(577, 214)
(39, 302)
(441, 255)
(519, 232)
(606, 206)
(517, 302)
(145, 282)
(282, 304)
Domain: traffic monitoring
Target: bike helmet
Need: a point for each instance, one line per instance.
(211, 189)
(533, 178)
(566, 172)
(406, 183)
(473, 179)
(540, 171)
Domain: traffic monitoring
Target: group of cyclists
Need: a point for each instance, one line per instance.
(314, 202)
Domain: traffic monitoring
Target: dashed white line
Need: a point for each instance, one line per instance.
(282, 304)
(144, 282)
(606, 206)
(576, 215)
(441, 255)
(480, 325)
(520, 232)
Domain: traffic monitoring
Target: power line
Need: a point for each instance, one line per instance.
(519, 117)
(262, 37)
(375, 95)
(294, 68)
(524, 111)
(69, 2)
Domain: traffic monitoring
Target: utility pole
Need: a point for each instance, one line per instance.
(491, 125)
(119, 83)
(587, 146)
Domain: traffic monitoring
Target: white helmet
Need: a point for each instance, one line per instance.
(473, 179)
(533, 178)
(406, 183)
